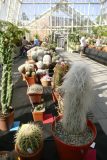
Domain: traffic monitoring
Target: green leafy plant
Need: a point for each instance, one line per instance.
(52, 46)
(99, 30)
(9, 34)
(28, 138)
(36, 36)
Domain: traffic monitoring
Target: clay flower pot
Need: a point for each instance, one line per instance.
(35, 98)
(73, 152)
(6, 121)
(33, 156)
(38, 115)
(30, 80)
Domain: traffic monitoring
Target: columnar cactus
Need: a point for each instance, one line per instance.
(9, 36)
(6, 83)
(77, 88)
(28, 139)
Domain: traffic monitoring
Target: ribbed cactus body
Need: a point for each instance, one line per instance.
(4, 89)
(10, 36)
(6, 83)
(29, 138)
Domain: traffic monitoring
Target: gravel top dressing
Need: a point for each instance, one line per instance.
(79, 139)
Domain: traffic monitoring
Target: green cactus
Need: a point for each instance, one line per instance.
(59, 72)
(28, 138)
(9, 35)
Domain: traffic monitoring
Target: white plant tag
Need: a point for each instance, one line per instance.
(93, 145)
(29, 150)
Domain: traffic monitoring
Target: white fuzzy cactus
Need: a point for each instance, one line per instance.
(77, 88)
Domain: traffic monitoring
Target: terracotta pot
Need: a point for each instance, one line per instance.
(38, 115)
(35, 98)
(104, 48)
(6, 121)
(72, 152)
(33, 156)
(30, 80)
(5, 154)
(45, 83)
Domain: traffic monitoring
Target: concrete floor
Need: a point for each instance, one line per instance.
(99, 74)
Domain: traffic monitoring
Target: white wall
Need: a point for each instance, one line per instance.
(4, 6)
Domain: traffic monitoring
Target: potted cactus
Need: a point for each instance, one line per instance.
(29, 142)
(35, 93)
(59, 71)
(38, 112)
(28, 72)
(72, 132)
(9, 34)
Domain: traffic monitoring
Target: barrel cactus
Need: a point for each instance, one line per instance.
(28, 138)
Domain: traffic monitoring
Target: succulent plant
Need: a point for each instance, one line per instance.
(21, 68)
(59, 72)
(9, 36)
(77, 87)
(28, 138)
(35, 88)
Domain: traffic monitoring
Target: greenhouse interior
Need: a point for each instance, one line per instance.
(46, 47)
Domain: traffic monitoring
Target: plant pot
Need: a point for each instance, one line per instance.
(45, 83)
(104, 48)
(35, 98)
(5, 155)
(33, 156)
(30, 80)
(72, 152)
(38, 115)
(6, 121)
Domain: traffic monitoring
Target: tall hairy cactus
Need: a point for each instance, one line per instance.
(28, 138)
(77, 97)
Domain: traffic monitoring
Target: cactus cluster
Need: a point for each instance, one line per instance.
(28, 138)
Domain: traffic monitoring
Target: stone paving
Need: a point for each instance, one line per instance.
(99, 74)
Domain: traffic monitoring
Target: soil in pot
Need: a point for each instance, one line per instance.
(77, 139)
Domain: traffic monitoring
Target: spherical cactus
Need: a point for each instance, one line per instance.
(33, 73)
(27, 74)
(21, 68)
(28, 138)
